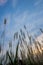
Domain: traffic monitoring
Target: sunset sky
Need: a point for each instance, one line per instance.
(19, 13)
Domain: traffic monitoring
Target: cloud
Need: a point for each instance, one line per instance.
(2, 2)
(14, 3)
(33, 21)
(37, 2)
(40, 38)
(20, 19)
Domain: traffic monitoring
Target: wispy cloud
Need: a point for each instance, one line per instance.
(14, 3)
(20, 18)
(37, 2)
(2, 2)
(33, 21)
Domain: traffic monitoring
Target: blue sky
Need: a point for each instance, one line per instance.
(19, 13)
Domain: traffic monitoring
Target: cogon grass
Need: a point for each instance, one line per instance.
(34, 56)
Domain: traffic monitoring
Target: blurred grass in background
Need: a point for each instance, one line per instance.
(30, 50)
